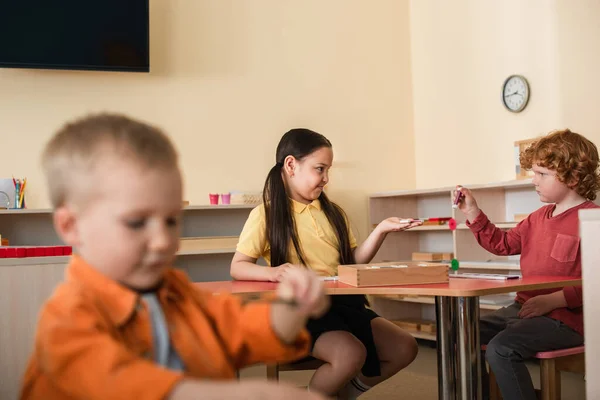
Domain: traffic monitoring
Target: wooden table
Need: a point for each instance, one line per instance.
(457, 317)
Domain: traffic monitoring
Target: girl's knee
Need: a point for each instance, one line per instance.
(354, 354)
(412, 348)
(406, 353)
(343, 351)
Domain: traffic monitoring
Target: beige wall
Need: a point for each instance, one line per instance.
(229, 78)
(579, 77)
(461, 53)
(405, 103)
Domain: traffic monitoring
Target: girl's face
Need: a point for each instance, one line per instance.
(306, 178)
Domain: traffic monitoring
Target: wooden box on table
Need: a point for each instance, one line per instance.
(393, 273)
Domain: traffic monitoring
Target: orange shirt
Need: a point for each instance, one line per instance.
(94, 338)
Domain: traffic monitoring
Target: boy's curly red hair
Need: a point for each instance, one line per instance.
(572, 156)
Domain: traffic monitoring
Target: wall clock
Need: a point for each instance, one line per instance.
(515, 93)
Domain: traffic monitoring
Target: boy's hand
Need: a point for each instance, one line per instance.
(305, 288)
(467, 204)
(395, 224)
(537, 306)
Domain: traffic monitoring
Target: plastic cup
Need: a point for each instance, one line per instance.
(226, 198)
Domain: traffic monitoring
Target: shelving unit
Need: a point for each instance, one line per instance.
(209, 239)
(500, 201)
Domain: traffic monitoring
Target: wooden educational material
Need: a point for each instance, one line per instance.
(436, 221)
(432, 256)
(392, 273)
(408, 324)
(520, 217)
(428, 326)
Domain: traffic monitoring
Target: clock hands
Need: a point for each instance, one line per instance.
(512, 94)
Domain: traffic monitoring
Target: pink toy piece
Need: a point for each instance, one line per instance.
(452, 224)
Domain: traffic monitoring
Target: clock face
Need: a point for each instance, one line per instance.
(515, 93)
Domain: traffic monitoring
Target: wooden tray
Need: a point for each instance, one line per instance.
(393, 273)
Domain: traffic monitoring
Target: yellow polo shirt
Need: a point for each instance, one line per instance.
(316, 235)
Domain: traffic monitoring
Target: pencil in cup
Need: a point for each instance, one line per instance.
(22, 193)
(17, 184)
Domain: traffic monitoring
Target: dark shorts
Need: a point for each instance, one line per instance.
(349, 313)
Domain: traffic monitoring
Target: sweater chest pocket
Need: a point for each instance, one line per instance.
(565, 248)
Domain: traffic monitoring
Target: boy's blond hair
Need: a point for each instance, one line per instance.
(572, 156)
(75, 150)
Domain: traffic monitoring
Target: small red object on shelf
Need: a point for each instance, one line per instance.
(35, 251)
(452, 224)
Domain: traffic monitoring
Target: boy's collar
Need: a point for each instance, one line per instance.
(118, 301)
(300, 207)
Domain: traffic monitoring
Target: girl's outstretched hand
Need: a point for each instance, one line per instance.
(395, 224)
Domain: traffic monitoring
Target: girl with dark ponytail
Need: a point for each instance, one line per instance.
(297, 226)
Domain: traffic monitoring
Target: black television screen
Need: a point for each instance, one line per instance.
(108, 35)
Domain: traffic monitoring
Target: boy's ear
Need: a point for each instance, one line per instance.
(572, 183)
(65, 224)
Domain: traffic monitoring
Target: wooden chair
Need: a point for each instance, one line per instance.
(551, 365)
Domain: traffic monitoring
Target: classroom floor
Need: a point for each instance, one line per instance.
(419, 380)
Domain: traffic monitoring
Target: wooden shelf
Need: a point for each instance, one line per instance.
(187, 247)
(34, 261)
(221, 207)
(26, 211)
(514, 184)
(208, 245)
(187, 208)
(502, 203)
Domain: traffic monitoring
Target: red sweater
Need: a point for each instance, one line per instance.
(548, 246)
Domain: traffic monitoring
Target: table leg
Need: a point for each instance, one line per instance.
(445, 310)
(468, 354)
